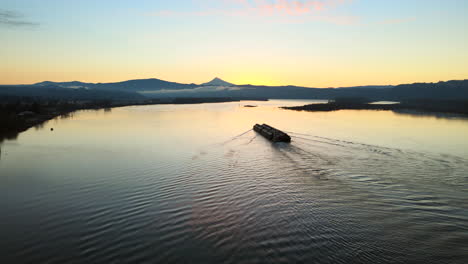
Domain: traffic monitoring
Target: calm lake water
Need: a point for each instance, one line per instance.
(193, 184)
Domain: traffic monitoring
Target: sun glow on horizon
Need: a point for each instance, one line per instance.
(241, 42)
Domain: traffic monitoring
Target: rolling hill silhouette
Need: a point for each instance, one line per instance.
(156, 88)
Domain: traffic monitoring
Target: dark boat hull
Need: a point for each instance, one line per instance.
(272, 133)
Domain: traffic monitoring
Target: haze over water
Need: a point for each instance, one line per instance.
(193, 183)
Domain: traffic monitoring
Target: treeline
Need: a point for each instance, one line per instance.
(438, 91)
(361, 103)
(19, 113)
(199, 100)
(459, 106)
(58, 93)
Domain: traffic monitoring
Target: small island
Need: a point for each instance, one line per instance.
(459, 107)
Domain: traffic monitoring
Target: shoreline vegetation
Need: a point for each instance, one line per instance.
(19, 114)
(424, 106)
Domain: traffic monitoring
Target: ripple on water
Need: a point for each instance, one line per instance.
(247, 200)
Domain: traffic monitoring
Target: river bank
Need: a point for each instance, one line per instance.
(458, 107)
(17, 116)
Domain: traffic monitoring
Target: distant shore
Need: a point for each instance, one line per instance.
(459, 107)
(20, 115)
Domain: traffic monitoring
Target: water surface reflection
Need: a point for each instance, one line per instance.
(179, 183)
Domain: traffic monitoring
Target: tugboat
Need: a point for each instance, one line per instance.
(272, 133)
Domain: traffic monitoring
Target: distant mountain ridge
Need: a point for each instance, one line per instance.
(130, 85)
(217, 82)
(154, 84)
(73, 84)
(156, 88)
(54, 92)
(136, 85)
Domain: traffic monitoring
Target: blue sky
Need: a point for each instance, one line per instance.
(315, 43)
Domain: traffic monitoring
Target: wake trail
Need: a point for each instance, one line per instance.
(203, 150)
(348, 144)
(229, 140)
(251, 140)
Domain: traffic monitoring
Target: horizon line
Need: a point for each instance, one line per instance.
(245, 84)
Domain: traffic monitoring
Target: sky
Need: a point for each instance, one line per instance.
(314, 43)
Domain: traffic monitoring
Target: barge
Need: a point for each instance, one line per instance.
(272, 133)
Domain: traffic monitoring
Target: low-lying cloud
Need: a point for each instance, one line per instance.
(202, 89)
(14, 19)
